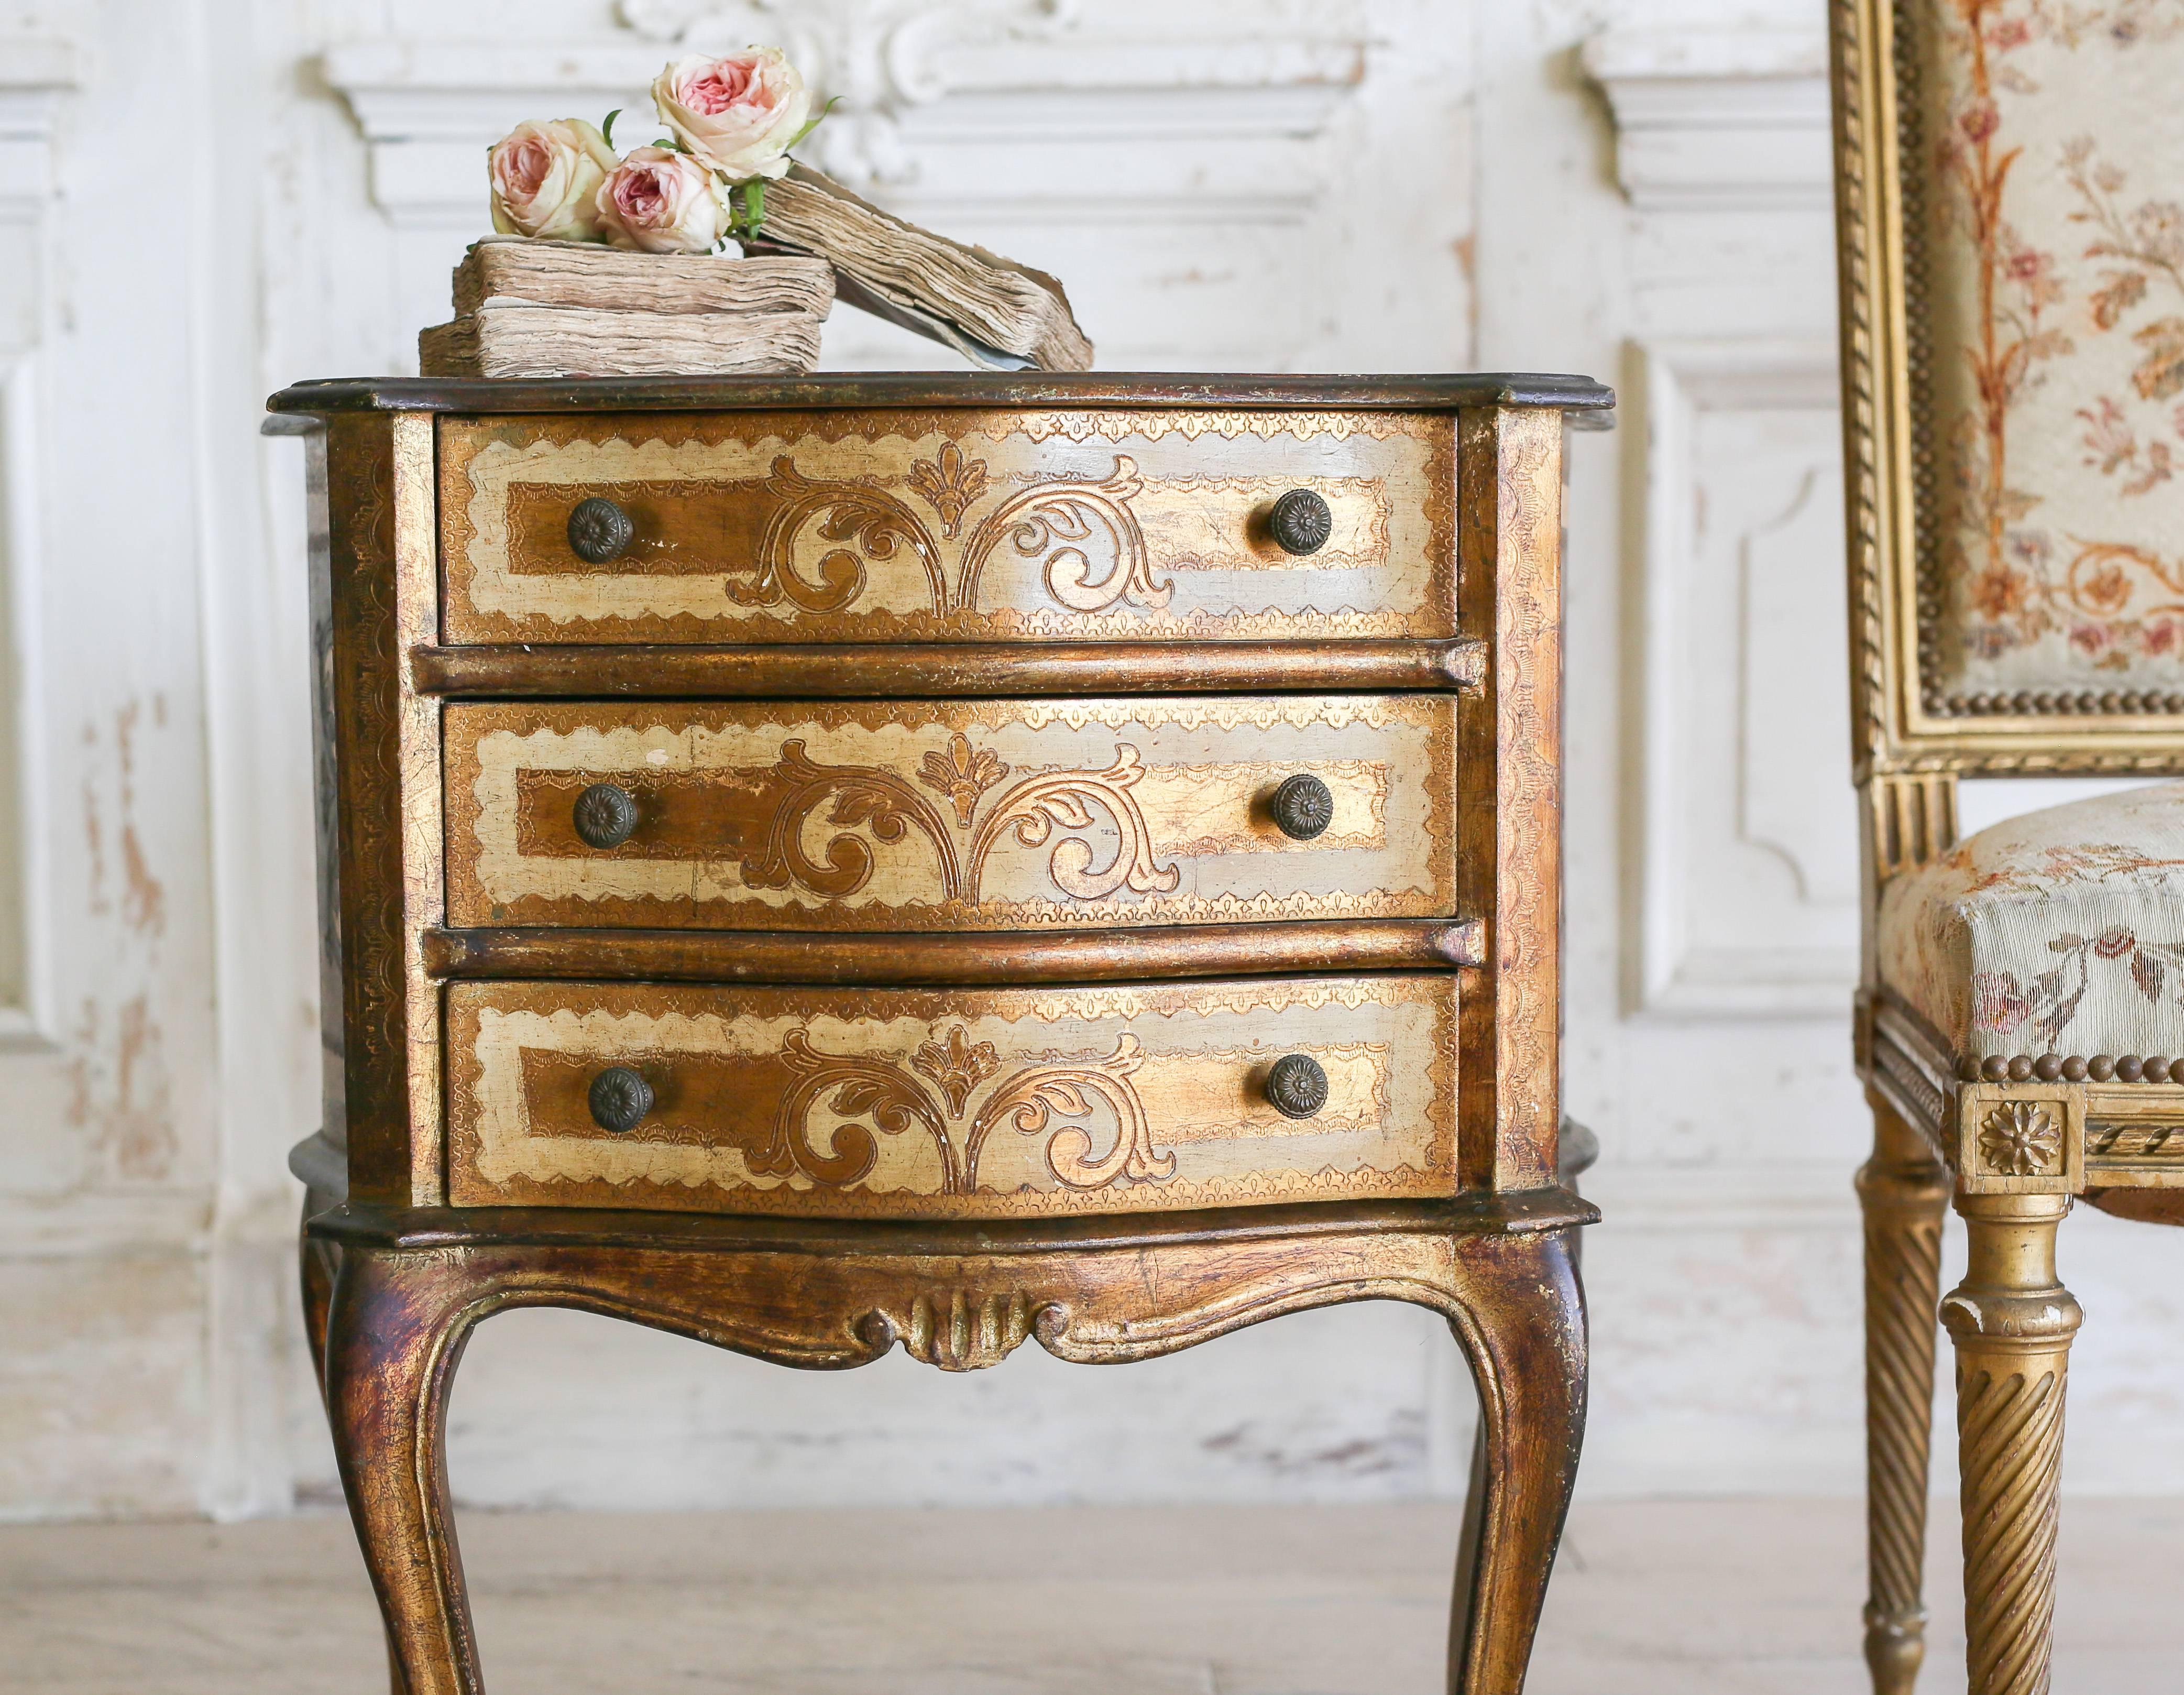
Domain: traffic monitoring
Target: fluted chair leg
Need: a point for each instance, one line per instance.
(1902, 1191)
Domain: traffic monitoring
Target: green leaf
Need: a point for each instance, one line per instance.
(606, 130)
(815, 123)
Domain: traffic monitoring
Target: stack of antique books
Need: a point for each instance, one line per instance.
(540, 308)
(569, 308)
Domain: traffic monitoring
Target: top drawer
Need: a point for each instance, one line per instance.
(961, 525)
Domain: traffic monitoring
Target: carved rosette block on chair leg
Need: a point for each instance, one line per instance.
(1903, 1192)
(2012, 1322)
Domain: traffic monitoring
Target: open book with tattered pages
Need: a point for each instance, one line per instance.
(527, 308)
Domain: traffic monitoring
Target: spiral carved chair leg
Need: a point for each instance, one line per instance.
(2012, 1322)
(1902, 1191)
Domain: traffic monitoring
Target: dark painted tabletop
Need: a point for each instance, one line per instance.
(932, 389)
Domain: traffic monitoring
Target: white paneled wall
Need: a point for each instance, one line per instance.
(1626, 188)
(1748, 869)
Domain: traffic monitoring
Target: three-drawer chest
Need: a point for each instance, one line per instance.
(823, 863)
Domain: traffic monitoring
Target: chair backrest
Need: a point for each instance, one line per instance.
(2010, 197)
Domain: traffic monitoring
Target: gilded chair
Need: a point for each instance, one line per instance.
(2013, 333)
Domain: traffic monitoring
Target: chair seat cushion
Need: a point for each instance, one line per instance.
(2060, 932)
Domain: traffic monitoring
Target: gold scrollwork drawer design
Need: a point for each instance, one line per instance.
(1002, 1103)
(951, 816)
(969, 525)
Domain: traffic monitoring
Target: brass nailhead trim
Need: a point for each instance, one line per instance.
(2049, 1067)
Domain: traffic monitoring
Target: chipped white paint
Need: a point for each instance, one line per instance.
(112, 1196)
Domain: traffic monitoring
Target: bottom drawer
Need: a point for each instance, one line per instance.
(915, 1103)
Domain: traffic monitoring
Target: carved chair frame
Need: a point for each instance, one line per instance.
(1943, 1128)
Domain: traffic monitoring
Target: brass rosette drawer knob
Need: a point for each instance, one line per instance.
(1302, 806)
(604, 815)
(1297, 1085)
(1301, 522)
(600, 532)
(619, 1099)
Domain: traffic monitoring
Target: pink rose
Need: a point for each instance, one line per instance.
(738, 113)
(545, 179)
(659, 201)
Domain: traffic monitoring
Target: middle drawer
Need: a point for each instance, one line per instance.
(951, 815)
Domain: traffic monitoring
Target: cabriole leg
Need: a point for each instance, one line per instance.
(2012, 1322)
(396, 1328)
(1902, 1191)
(318, 1260)
(1521, 1320)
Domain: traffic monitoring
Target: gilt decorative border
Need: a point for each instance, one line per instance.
(1900, 721)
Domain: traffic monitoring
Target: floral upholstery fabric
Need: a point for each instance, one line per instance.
(2044, 177)
(2060, 932)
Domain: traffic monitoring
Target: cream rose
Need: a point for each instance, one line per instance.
(660, 201)
(738, 113)
(546, 178)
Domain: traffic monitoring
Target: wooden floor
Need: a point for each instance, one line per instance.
(1731, 1598)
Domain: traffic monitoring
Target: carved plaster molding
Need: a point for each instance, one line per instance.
(1717, 120)
(919, 79)
(1745, 398)
(35, 76)
(882, 57)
